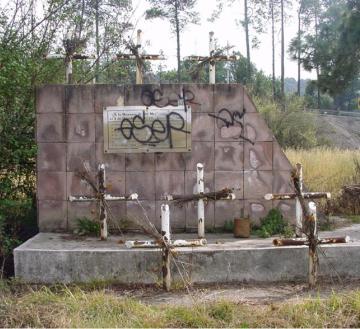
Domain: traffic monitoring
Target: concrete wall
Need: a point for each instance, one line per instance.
(70, 133)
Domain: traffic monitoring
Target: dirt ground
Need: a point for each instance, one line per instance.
(341, 131)
(259, 294)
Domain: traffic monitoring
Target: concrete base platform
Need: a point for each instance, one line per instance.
(51, 258)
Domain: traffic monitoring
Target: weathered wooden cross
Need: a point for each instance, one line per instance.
(214, 56)
(225, 194)
(69, 55)
(139, 58)
(101, 196)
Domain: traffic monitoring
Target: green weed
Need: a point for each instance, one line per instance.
(85, 226)
(273, 223)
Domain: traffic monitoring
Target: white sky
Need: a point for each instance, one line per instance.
(194, 40)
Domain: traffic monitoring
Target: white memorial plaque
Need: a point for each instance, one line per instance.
(130, 129)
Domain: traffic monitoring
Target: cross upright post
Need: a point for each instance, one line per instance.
(103, 212)
(298, 210)
(200, 209)
(139, 58)
(139, 66)
(166, 256)
(227, 65)
(211, 62)
(313, 239)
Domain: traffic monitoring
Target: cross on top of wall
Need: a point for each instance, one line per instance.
(138, 57)
(70, 46)
(214, 56)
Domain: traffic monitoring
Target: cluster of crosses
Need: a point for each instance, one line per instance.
(101, 196)
(163, 240)
(136, 55)
(306, 218)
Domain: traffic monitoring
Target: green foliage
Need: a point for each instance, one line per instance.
(273, 223)
(88, 227)
(8, 243)
(292, 127)
(17, 223)
(223, 311)
(333, 47)
(326, 102)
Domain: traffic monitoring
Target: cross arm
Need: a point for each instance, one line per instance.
(73, 56)
(83, 56)
(291, 196)
(217, 58)
(54, 56)
(81, 198)
(107, 197)
(143, 57)
(304, 241)
(225, 194)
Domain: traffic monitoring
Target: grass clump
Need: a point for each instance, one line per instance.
(62, 306)
(272, 224)
(355, 219)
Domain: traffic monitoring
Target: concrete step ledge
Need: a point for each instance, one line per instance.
(54, 258)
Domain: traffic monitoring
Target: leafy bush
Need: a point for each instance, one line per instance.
(292, 126)
(17, 224)
(274, 223)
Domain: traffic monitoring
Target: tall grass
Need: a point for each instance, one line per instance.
(78, 308)
(326, 169)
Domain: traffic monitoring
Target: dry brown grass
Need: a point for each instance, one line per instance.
(326, 169)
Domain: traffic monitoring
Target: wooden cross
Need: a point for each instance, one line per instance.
(292, 196)
(214, 56)
(308, 212)
(200, 197)
(101, 196)
(69, 55)
(139, 58)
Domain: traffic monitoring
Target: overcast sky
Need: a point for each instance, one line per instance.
(195, 38)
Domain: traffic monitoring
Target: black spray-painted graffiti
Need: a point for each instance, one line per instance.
(156, 98)
(231, 119)
(153, 132)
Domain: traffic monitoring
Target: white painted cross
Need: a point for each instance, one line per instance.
(225, 194)
(101, 196)
(214, 56)
(139, 58)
